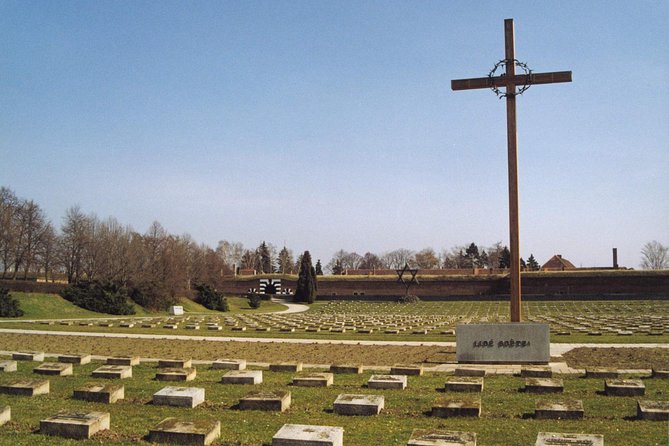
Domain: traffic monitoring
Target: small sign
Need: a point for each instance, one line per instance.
(176, 310)
(510, 343)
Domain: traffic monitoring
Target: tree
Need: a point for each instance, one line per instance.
(371, 261)
(654, 256)
(532, 263)
(472, 255)
(264, 258)
(505, 258)
(398, 258)
(210, 298)
(307, 287)
(427, 259)
(319, 268)
(284, 261)
(76, 233)
(9, 307)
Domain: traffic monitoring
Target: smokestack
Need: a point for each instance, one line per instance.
(615, 258)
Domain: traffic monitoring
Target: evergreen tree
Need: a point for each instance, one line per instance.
(505, 258)
(523, 265)
(265, 260)
(9, 307)
(284, 261)
(319, 268)
(532, 263)
(337, 269)
(307, 288)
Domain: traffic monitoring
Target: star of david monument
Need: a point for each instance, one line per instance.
(515, 342)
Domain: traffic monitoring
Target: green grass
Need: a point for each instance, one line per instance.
(506, 413)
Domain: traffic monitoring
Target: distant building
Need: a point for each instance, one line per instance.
(557, 263)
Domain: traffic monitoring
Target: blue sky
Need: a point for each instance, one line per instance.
(330, 125)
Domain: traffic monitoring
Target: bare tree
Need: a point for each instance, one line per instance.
(75, 231)
(654, 256)
(398, 258)
(371, 261)
(427, 259)
(230, 252)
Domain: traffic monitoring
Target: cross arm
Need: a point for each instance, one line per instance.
(503, 81)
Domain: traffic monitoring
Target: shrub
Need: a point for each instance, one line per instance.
(99, 297)
(9, 307)
(210, 298)
(408, 299)
(152, 295)
(254, 300)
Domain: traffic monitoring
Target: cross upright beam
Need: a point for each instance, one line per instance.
(509, 80)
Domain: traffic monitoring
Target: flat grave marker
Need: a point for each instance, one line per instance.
(8, 366)
(653, 410)
(229, 364)
(75, 359)
(393, 382)
(349, 404)
(113, 372)
(624, 387)
(123, 360)
(5, 415)
(54, 369)
(544, 385)
(448, 407)
(563, 409)
(536, 372)
(406, 369)
(176, 374)
(187, 432)
(324, 379)
(179, 396)
(277, 401)
(308, 435)
(438, 437)
(601, 372)
(286, 367)
(568, 439)
(99, 393)
(242, 377)
(346, 368)
(26, 387)
(468, 371)
(175, 363)
(464, 384)
(77, 425)
(28, 356)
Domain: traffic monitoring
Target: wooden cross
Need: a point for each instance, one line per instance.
(509, 81)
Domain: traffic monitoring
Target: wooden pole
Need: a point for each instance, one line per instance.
(512, 143)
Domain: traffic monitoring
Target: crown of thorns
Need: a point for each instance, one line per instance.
(521, 88)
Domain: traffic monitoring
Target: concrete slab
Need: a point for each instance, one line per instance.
(346, 368)
(624, 387)
(562, 439)
(179, 396)
(395, 382)
(75, 359)
(113, 372)
(308, 435)
(5, 415)
(563, 409)
(278, 401)
(242, 377)
(176, 374)
(601, 372)
(439, 437)
(314, 380)
(175, 363)
(349, 404)
(100, 393)
(286, 367)
(8, 366)
(464, 384)
(123, 360)
(536, 372)
(544, 385)
(185, 432)
(229, 364)
(77, 425)
(653, 410)
(28, 356)
(448, 407)
(470, 371)
(26, 387)
(54, 369)
(406, 369)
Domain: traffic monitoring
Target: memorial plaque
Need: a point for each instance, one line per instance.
(568, 439)
(437, 437)
(308, 435)
(513, 343)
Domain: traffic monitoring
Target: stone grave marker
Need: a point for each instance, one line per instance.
(277, 401)
(26, 387)
(536, 372)
(403, 369)
(5, 415)
(286, 367)
(188, 432)
(8, 366)
(54, 369)
(77, 425)
(563, 409)
(656, 373)
(126, 325)
(448, 407)
(397, 382)
(314, 380)
(464, 384)
(75, 359)
(601, 372)
(438, 437)
(349, 404)
(624, 387)
(229, 364)
(176, 374)
(544, 385)
(468, 371)
(242, 377)
(346, 368)
(113, 372)
(308, 435)
(123, 360)
(179, 396)
(192, 327)
(175, 363)
(99, 393)
(653, 410)
(28, 356)
(214, 327)
(568, 439)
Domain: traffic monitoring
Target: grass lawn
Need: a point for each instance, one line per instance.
(506, 417)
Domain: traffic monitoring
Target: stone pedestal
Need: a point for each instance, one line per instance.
(175, 431)
(464, 384)
(308, 435)
(28, 356)
(75, 425)
(653, 410)
(229, 364)
(179, 396)
(242, 377)
(74, 359)
(560, 439)
(100, 393)
(446, 408)
(346, 368)
(175, 363)
(113, 372)
(544, 385)
(437, 437)
(123, 360)
(8, 366)
(406, 369)
(53, 369)
(286, 367)
(564, 409)
(277, 401)
(25, 387)
(314, 380)
(176, 374)
(396, 382)
(624, 387)
(5, 415)
(348, 404)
